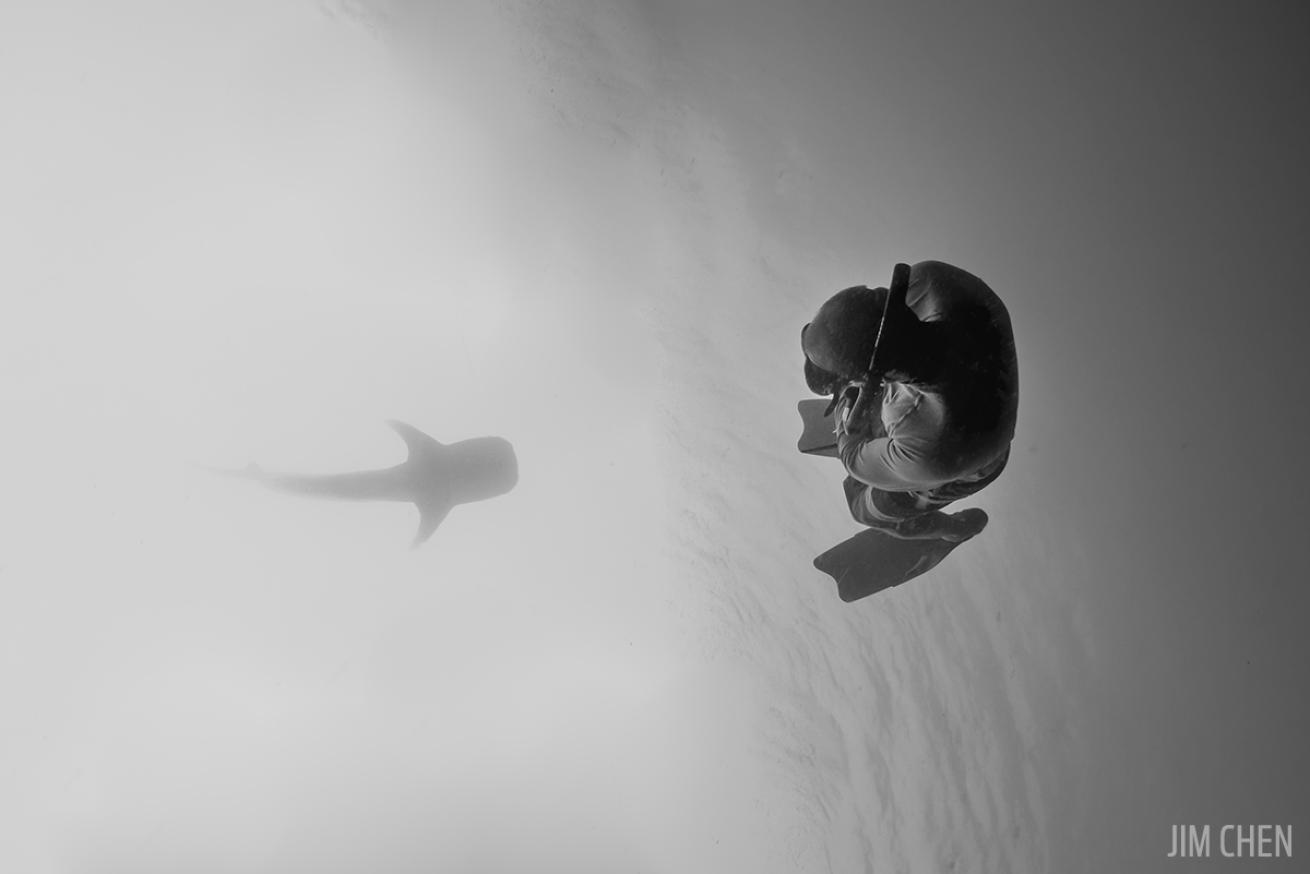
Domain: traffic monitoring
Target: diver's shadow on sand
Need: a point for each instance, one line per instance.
(435, 477)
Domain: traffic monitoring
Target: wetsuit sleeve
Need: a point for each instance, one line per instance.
(887, 463)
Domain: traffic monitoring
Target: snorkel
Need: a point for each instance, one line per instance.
(854, 396)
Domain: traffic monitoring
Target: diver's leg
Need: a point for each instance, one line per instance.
(897, 514)
(936, 525)
(886, 511)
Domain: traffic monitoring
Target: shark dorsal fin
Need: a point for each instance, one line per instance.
(419, 443)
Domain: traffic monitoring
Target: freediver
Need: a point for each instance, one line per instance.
(925, 380)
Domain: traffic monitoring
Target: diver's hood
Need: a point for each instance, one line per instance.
(849, 337)
(819, 381)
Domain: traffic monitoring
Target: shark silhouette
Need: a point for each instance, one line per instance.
(435, 477)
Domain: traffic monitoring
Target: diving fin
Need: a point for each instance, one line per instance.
(872, 561)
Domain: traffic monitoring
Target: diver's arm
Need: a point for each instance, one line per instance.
(874, 461)
(888, 463)
(896, 446)
(862, 438)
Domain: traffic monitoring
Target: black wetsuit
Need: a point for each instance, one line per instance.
(948, 413)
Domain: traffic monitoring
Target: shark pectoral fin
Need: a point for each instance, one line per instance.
(419, 443)
(430, 515)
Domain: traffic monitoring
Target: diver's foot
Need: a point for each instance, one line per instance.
(934, 525)
(961, 526)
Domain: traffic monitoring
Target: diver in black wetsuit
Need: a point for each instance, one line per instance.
(928, 381)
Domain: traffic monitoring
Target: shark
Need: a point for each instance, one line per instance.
(434, 477)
